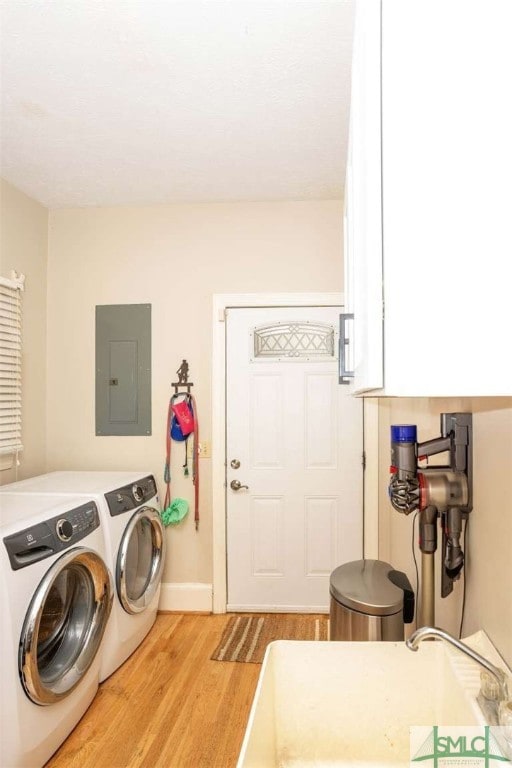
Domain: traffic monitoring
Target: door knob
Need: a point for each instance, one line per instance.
(236, 485)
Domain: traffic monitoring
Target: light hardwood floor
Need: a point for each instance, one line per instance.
(169, 705)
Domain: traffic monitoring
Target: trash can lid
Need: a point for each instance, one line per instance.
(364, 586)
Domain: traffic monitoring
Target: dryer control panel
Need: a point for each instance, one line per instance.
(131, 496)
(52, 536)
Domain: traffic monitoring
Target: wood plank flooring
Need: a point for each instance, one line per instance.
(169, 705)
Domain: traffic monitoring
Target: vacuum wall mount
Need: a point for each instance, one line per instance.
(440, 492)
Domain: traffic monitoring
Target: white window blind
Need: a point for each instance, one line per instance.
(10, 364)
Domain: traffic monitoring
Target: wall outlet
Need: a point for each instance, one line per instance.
(205, 449)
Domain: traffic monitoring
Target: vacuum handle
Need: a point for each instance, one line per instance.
(400, 580)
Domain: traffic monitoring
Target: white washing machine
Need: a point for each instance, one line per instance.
(56, 595)
(135, 548)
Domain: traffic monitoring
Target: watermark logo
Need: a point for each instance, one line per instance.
(475, 746)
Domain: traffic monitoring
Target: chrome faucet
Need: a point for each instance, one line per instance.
(495, 694)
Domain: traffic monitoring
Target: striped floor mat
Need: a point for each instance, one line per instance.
(246, 637)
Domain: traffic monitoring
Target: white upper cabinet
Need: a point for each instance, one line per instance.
(428, 209)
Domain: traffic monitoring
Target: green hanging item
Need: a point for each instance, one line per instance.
(175, 512)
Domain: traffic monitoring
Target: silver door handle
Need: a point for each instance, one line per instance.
(236, 485)
(345, 376)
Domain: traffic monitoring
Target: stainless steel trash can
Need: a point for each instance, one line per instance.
(369, 601)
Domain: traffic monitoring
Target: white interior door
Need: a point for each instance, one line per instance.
(294, 437)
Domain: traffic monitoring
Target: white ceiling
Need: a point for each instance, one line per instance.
(109, 102)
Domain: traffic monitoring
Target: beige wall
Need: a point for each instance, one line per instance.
(23, 247)
(489, 555)
(173, 257)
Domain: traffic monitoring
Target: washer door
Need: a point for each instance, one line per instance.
(64, 625)
(140, 560)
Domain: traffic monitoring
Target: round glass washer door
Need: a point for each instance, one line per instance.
(140, 560)
(64, 625)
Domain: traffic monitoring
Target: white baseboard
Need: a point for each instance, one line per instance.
(186, 597)
(233, 608)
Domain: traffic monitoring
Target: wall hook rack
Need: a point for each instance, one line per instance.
(183, 382)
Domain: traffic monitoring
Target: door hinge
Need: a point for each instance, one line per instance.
(363, 460)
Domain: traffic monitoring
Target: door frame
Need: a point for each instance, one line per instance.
(222, 302)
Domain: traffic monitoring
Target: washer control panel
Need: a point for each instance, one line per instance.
(51, 536)
(131, 496)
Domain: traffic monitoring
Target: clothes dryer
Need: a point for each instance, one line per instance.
(56, 595)
(135, 547)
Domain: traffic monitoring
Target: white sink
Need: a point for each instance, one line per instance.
(345, 703)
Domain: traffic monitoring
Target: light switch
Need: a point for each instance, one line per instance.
(205, 448)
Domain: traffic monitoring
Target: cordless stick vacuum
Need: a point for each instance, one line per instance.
(443, 492)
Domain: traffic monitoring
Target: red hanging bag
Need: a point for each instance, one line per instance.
(184, 416)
